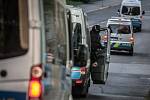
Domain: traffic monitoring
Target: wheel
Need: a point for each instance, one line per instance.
(86, 1)
(134, 30)
(98, 82)
(89, 83)
(84, 95)
(131, 52)
(80, 91)
(140, 29)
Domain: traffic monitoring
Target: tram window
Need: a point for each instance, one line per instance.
(55, 31)
(13, 28)
(77, 36)
(129, 10)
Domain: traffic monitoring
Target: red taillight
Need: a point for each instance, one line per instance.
(141, 17)
(83, 70)
(131, 39)
(35, 85)
(35, 89)
(79, 81)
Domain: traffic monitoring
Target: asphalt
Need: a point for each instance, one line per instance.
(129, 76)
(99, 5)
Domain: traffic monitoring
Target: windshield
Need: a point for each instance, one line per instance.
(132, 11)
(77, 40)
(120, 29)
(77, 36)
(13, 28)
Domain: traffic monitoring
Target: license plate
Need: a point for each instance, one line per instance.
(125, 44)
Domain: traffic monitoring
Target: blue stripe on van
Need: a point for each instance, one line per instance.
(4, 95)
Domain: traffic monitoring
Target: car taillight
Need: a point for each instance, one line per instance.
(141, 17)
(79, 81)
(131, 39)
(35, 85)
(83, 70)
(35, 89)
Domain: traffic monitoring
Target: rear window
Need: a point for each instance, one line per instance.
(120, 29)
(13, 28)
(129, 10)
(77, 36)
(77, 40)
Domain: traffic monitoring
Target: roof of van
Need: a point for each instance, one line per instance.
(71, 7)
(131, 2)
(76, 13)
(119, 20)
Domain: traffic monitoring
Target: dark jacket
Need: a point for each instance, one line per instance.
(95, 44)
(95, 40)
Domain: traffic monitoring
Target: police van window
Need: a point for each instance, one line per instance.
(136, 11)
(13, 28)
(77, 40)
(120, 29)
(55, 31)
(129, 10)
(77, 36)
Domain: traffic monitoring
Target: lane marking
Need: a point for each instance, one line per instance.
(116, 96)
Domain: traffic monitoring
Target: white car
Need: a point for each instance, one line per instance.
(122, 37)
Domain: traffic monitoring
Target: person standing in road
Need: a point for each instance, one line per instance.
(95, 43)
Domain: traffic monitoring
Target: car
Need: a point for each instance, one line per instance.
(82, 71)
(122, 37)
(80, 38)
(133, 10)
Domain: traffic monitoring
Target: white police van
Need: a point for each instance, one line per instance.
(133, 10)
(34, 58)
(122, 37)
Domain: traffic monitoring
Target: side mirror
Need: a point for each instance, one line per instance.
(143, 12)
(82, 55)
(118, 12)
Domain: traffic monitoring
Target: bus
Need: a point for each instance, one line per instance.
(34, 58)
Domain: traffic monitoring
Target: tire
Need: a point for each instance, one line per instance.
(89, 83)
(86, 1)
(99, 82)
(84, 95)
(140, 29)
(134, 30)
(80, 91)
(131, 52)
